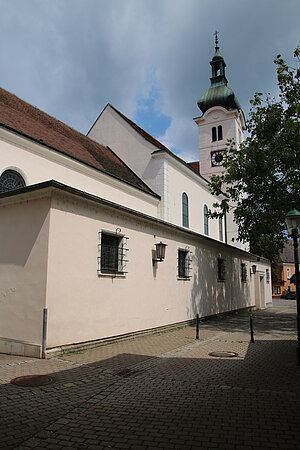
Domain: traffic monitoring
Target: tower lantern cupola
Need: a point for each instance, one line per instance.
(219, 94)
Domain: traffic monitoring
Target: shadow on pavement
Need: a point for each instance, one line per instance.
(185, 401)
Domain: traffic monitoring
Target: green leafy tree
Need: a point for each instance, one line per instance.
(262, 176)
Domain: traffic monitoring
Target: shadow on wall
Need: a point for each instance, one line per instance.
(20, 231)
(210, 296)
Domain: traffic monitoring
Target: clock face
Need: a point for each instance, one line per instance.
(217, 158)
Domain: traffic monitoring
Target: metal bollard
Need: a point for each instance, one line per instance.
(251, 328)
(44, 336)
(197, 326)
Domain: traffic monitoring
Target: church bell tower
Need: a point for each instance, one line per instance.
(222, 118)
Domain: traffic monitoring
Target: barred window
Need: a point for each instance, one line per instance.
(184, 263)
(267, 275)
(243, 272)
(221, 269)
(112, 257)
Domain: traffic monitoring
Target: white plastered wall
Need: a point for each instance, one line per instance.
(36, 164)
(24, 231)
(83, 306)
(112, 130)
(198, 196)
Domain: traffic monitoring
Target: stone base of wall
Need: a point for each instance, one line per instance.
(90, 344)
(19, 348)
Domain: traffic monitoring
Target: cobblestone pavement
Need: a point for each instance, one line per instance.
(164, 391)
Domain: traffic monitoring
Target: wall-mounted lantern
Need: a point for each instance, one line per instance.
(160, 252)
(253, 267)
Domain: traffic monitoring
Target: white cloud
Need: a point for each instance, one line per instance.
(71, 57)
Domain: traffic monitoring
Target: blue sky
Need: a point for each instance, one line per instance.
(149, 59)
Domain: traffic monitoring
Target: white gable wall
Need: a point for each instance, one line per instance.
(112, 130)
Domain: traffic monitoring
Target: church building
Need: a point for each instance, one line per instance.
(107, 235)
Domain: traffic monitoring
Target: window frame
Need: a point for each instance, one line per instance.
(187, 267)
(185, 210)
(205, 220)
(243, 273)
(221, 269)
(221, 233)
(18, 178)
(220, 133)
(121, 262)
(214, 134)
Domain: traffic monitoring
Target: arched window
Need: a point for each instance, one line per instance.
(213, 134)
(220, 133)
(185, 210)
(206, 230)
(10, 180)
(221, 228)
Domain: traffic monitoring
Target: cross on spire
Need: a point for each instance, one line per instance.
(216, 40)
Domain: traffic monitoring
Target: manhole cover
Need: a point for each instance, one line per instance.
(32, 380)
(224, 354)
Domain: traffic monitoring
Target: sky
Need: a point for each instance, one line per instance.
(148, 58)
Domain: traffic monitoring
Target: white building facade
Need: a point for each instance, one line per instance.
(80, 218)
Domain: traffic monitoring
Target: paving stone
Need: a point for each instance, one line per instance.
(181, 397)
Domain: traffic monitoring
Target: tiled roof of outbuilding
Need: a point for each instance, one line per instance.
(24, 119)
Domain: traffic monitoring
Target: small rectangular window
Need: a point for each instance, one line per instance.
(112, 253)
(277, 290)
(221, 269)
(267, 275)
(184, 263)
(288, 273)
(243, 272)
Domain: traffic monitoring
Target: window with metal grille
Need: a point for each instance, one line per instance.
(184, 263)
(267, 275)
(243, 272)
(10, 180)
(112, 257)
(221, 269)
(185, 210)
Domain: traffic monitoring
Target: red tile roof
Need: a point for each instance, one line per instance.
(195, 166)
(23, 118)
